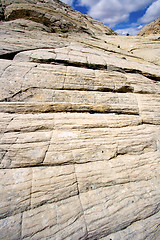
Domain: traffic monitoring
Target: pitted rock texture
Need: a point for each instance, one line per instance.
(79, 133)
(151, 28)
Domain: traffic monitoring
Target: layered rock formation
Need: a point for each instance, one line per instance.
(53, 15)
(151, 28)
(80, 130)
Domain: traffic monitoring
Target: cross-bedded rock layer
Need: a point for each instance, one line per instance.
(79, 134)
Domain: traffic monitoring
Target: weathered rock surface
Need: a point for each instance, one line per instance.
(79, 130)
(51, 16)
(151, 28)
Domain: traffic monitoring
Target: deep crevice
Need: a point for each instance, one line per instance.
(1, 11)
(9, 56)
(69, 110)
(145, 74)
(137, 71)
(69, 63)
(92, 111)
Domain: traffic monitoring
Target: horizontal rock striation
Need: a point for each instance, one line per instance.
(79, 130)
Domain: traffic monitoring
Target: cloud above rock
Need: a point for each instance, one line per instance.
(152, 12)
(131, 30)
(112, 12)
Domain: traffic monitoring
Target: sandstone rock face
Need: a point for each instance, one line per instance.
(79, 131)
(53, 15)
(151, 28)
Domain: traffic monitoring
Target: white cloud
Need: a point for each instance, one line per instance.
(152, 13)
(140, 27)
(130, 31)
(112, 12)
(69, 2)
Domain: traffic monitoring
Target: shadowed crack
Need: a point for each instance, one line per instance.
(1, 11)
(10, 55)
(145, 74)
(47, 147)
(74, 64)
(129, 70)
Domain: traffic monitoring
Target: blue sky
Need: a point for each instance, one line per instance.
(123, 16)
